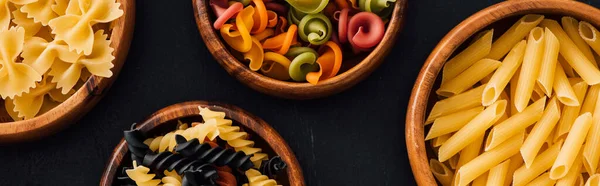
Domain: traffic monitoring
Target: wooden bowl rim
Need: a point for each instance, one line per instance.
(415, 116)
(85, 98)
(297, 90)
(187, 109)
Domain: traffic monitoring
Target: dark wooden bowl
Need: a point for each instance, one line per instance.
(84, 99)
(166, 119)
(499, 16)
(296, 90)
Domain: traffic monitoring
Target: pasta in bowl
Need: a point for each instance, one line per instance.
(299, 49)
(510, 97)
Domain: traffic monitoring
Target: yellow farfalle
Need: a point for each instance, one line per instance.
(15, 78)
(60, 7)
(75, 27)
(5, 11)
(29, 104)
(40, 11)
(255, 55)
(40, 54)
(99, 62)
(240, 40)
(30, 26)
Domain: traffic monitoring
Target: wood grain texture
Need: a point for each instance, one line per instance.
(248, 122)
(297, 90)
(418, 104)
(84, 99)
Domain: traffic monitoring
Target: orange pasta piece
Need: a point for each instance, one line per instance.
(281, 25)
(260, 17)
(265, 34)
(329, 62)
(255, 55)
(341, 4)
(240, 40)
(282, 42)
(271, 19)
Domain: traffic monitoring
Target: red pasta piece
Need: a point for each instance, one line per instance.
(272, 19)
(365, 30)
(342, 19)
(281, 25)
(225, 14)
(225, 177)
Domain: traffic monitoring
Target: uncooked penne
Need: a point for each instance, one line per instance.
(513, 90)
(513, 35)
(472, 130)
(515, 162)
(589, 103)
(540, 132)
(515, 124)
(541, 164)
(573, 174)
(575, 58)
(497, 175)
(468, 78)
(571, 27)
(480, 180)
(538, 93)
(463, 60)
(453, 161)
(441, 172)
(591, 150)
(530, 68)
(542, 180)
(487, 160)
(470, 152)
(439, 141)
(593, 180)
(502, 76)
(570, 113)
(563, 89)
(589, 33)
(452, 122)
(566, 67)
(465, 100)
(571, 147)
(545, 79)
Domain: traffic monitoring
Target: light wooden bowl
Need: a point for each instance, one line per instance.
(84, 99)
(166, 119)
(296, 90)
(501, 15)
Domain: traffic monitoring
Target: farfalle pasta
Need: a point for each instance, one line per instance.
(339, 28)
(50, 47)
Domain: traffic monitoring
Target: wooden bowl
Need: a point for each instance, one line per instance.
(165, 120)
(297, 90)
(84, 99)
(501, 16)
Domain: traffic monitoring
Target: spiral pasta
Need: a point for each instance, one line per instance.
(240, 40)
(379, 7)
(309, 7)
(140, 174)
(15, 78)
(282, 42)
(303, 62)
(226, 178)
(225, 14)
(315, 29)
(218, 156)
(276, 66)
(294, 16)
(272, 166)
(181, 165)
(171, 178)
(255, 55)
(260, 17)
(329, 62)
(365, 30)
(255, 178)
(168, 142)
(135, 143)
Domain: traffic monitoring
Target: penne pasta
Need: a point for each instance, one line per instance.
(472, 130)
(573, 175)
(453, 161)
(540, 132)
(515, 162)
(486, 79)
(468, 78)
(481, 180)
(513, 90)
(571, 27)
(441, 172)
(530, 68)
(463, 101)
(538, 93)
(566, 67)
(463, 60)
(570, 113)
(575, 58)
(513, 35)
(502, 76)
(589, 103)
(439, 141)
(470, 152)
(591, 149)
(571, 147)
(563, 89)
(542, 180)
(545, 79)
(504, 96)
(593, 180)
(515, 124)
(589, 33)
(497, 175)
(541, 164)
(452, 122)
(487, 160)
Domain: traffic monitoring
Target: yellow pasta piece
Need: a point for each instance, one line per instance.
(255, 178)
(141, 176)
(530, 69)
(563, 89)
(589, 33)
(468, 78)
(60, 7)
(171, 178)
(452, 122)
(476, 51)
(545, 79)
(540, 132)
(513, 90)
(573, 175)
(542, 180)
(566, 67)
(439, 141)
(589, 103)
(30, 26)
(571, 27)
(5, 11)
(41, 54)
(571, 147)
(570, 113)
(497, 175)
(29, 104)
(255, 55)
(513, 35)
(40, 11)
(465, 100)
(593, 180)
(442, 173)
(276, 66)
(591, 149)
(502, 76)
(239, 40)
(515, 162)
(15, 78)
(453, 161)
(515, 124)
(480, 180)
(472, 130)
(541, 164)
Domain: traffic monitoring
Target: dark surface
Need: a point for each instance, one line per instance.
(353, 138)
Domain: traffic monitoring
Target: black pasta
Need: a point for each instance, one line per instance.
(201, 173)
(217, 155)
(195, 178)
(135, 142)
(123, 179)
(272, 166)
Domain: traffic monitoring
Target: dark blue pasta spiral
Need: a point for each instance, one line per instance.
(272, 166)
(135, 142)
(198, 173)
(217, 155)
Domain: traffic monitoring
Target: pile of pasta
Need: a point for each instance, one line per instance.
(50, 46)
(523, 109)
(265, 34)
(211, 153)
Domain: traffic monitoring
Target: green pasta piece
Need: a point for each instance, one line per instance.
(308, 6)
(315, 29)
(294, 16)
(379, 7)
(303, 62)
(244, 2)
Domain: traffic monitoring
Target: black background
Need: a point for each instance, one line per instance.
(353, 138)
